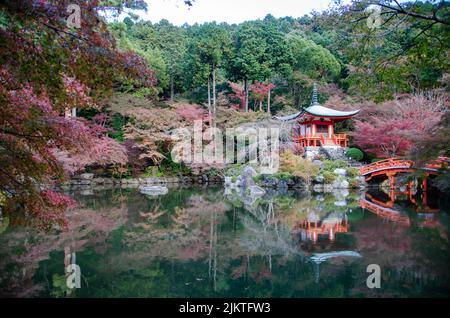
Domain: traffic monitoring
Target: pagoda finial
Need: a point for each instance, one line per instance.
(314, 95)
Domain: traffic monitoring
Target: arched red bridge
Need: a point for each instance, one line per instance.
(392, 166)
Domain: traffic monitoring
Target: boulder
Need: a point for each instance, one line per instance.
(340, 171)
(98, 180)
(228, 182)
(86, 176)
(318, 163)
(340, 203)
(153, 190)
(247, 176)
(256, 191)
(319, 179)
(341, 183)
(282, 184)
(270, 181)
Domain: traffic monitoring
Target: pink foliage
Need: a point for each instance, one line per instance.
(238, 93)
(77, 92)
(261, 90)
(192, 112)
(401, 123)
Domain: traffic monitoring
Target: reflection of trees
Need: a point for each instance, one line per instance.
(190, 243)
(86, 228)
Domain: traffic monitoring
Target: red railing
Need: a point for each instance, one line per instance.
(314, 140)
(387, 164)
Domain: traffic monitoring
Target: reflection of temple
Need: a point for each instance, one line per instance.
(313, 227)
(385, 207)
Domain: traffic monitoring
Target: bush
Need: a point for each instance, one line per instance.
(352, 172)
(297, 166)
(353, 182)
(331, 165)
(355, 153)
(283, 176)
(329, 177)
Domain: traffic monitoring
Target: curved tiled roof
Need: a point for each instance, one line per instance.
(320, 111)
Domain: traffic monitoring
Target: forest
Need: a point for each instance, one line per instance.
(131, 82)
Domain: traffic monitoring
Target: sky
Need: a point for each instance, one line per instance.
(231, 11)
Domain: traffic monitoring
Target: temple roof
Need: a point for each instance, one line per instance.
(317, 110)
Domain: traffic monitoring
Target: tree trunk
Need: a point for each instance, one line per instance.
(209, 101)
(246, 94)
(268, 102)
(172, 89)
(214, 92)
(260, 105)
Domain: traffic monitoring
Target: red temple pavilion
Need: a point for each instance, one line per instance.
(315, 125)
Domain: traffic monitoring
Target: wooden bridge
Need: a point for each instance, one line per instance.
(393, 166)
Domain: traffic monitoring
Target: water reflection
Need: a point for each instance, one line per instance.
(208, 243)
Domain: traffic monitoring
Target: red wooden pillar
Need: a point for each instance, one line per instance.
(424, 190)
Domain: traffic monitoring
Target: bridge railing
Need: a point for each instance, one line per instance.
(386, 164)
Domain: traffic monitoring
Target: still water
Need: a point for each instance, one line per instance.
(214, 243)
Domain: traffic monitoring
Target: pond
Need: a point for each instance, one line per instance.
(208, 242)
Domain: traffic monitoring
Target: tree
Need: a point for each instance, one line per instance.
(399, 126)
(209, 48)
(261, 91)
(47, 68)
(172, 41)
(404, 52)
(259, 51)
(313, 60)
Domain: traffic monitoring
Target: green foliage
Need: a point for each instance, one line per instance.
(313, 60)
(285, 176)
(331, 165)
(117, 123)
(355, 154)
(352, 172)
(297, 166)
(329, 176)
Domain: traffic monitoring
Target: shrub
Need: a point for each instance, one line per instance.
(283, 176)
(331, 165)
(353, 182)
(352, 172)
(355, 153)
(297, 166)
(329, 177)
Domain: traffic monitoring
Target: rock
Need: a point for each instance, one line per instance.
(108, 181)
(318, 163)
(340, 171)
(85, 182)
(282, 184)
(87, 192)
(153, 190)
(270, 182)
(340, 183)
(340, 203)
(86, 176)
(228, 182)
(98, 180)
(247, 176)
(319, 179)
(256, 191)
